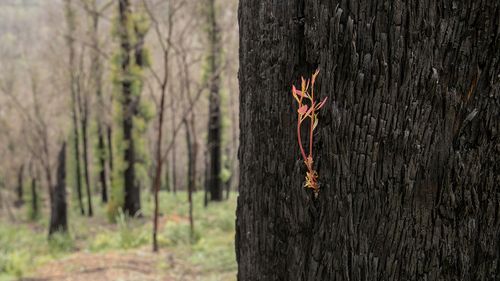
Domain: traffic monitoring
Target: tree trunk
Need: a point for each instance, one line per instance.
(407, 146)
(102, 162)
(205, 179)
(132, 203)
(96, 68)
(86, 163)
(109, 130)
(34, 199)
(20, 183)
(214, 122)
(58, 206)
(192, 148)
(174, 150)
(70, 19)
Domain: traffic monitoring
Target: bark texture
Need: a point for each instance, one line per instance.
(407, 148)
(58, 205)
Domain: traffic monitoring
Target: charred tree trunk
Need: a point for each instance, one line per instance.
(205, 179)
(103, 179)
(407, 148)
(20, 188)
(58, 206)
(109, 130)
(86, 163)
(192, 148)
(34, 199)
(70, 19)
(214, 121)
(132, 203)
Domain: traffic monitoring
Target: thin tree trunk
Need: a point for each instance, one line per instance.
(191, 145)
(20, 188)
(73, 88)
(58, 206)
(159, 162)
(406, 149)
(173, 151)
(34, 199)
(214, 123)
(102, 162)
(109, 130)
(86, 163)
(205, 179)
(159, 153)
(96, 72)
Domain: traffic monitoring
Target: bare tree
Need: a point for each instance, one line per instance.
(162, 81)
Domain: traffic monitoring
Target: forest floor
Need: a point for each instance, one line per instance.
(99, 250)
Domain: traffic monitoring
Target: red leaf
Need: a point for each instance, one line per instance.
(321, 104)
(303, 109)
(310, 110)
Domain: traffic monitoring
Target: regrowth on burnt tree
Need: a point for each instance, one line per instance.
(308, 111)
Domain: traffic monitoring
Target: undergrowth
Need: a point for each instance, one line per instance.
(24, 246)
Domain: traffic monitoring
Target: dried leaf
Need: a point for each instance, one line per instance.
(314, 76)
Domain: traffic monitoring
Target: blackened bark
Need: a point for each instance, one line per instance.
(407, 147)
(205, 179)
(109, 130)
(103, 179)
(20, 182)
(132, 203)
(58, 206)
(86, 164)
(34, 199)
(214, 121)
(192, 148)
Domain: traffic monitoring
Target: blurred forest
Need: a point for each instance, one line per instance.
(113, 114)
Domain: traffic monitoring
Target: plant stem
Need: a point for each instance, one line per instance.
(300, 141)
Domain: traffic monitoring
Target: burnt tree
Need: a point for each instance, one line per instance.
(407, 148)
(214, 120)
(131, 46)
(58, 205)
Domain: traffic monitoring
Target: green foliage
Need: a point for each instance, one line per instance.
(20, 250)
(136, 27)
